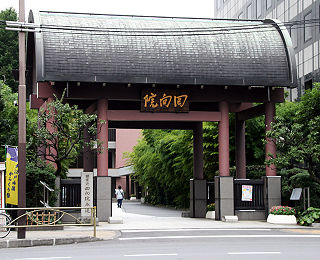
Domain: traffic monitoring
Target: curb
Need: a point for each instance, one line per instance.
(46, 242)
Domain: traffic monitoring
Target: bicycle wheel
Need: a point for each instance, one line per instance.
(4, 221)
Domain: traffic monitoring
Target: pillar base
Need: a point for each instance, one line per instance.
(272, 192)
(224, 196)
(198, 198)
(104, 198)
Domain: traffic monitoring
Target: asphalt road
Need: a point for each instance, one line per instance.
(185, 244)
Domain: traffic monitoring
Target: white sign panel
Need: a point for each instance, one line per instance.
(246, 192)
(86, 193)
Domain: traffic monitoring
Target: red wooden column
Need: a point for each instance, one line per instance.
(240, 149)
(102, 160)
(224, 139)
(270, 145)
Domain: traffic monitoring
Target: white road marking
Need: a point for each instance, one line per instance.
(222, 236)
(254, 253)
(194, 229)
(45, 258)
(152, 255)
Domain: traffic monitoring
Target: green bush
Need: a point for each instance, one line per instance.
(309, 216)
(211, 207)
(282, 210)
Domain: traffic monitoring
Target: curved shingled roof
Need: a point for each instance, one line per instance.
(162, 50)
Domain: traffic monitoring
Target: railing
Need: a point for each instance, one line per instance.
(257, 202)
(210, 192)
(49, 217)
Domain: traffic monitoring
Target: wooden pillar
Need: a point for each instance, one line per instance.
(224, 166)
(198, 152)
(240, 149)
(102, 157)
(270, 143)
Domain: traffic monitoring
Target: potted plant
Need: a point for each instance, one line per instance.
(211, 211)
(282, 215)
(133, 196)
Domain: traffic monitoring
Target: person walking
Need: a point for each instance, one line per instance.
(119, 194)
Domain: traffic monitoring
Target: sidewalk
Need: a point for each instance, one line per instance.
(134, 217)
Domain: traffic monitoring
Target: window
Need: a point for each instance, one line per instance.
(219, 3)
(294, 37)
(259, 8)
(269, 4)
(307, 27)
(249, 11)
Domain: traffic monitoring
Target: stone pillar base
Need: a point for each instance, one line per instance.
(272, 192)
(224, 196)
(198, 198)
(104, 198)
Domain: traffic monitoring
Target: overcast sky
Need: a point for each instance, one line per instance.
(186, 8)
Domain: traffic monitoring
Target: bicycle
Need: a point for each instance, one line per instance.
(5, 220)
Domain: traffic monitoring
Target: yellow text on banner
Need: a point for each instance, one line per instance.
(12, 176)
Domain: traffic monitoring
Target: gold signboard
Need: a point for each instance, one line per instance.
(154, 100)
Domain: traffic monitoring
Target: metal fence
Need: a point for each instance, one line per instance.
(70, 193)
(257, 202)
(47, 217)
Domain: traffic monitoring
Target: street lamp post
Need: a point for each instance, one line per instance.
(21, 234)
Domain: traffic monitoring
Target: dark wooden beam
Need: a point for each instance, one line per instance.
(251, 112)
(232, 94)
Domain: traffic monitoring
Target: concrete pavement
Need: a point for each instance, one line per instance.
(134, 216)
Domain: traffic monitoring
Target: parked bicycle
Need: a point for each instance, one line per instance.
(5, 221)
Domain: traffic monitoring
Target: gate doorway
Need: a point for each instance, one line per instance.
(163, 73)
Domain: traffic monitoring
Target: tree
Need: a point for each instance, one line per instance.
(8, 118)
(296, 132)
(9, 51)
(163, 159)
(59, 135)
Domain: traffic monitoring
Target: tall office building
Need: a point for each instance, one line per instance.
(305, 36)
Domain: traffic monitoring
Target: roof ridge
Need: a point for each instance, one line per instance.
(151, 16)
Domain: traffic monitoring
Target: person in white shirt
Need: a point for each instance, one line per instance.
(119, 194)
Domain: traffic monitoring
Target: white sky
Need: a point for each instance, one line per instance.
(186, 8)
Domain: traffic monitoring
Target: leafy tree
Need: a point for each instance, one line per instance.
(59, 134)
(9, 51)
(36, 171)
(8, 118)
(297, 134)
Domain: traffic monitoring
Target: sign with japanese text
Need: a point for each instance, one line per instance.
(154, 100)
(246, 193)
(86, 193)
(12, 176)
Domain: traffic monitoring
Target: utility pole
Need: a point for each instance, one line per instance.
(21, 234)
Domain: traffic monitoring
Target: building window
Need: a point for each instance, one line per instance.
(294, 37)
(249, 11)
(219, 3)
(307, 27)
(269, 4)
(259, 8)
